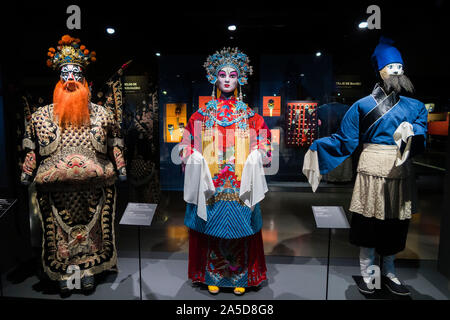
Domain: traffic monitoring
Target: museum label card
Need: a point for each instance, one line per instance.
(138, 214)
(330, 217)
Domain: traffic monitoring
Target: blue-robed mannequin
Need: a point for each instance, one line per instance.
(391, 128)
(333, 150)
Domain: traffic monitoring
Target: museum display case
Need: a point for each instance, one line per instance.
(221, 160)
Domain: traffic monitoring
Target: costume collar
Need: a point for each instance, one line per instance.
(379, 94)
(231, 99)
(384, 103)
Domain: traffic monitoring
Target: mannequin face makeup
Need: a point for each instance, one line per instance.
(227, 79)
(71, 72)
(391, 69)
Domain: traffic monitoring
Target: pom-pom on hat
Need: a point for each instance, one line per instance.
(69, 51)
(385, 53)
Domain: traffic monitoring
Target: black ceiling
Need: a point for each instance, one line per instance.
(170, 27)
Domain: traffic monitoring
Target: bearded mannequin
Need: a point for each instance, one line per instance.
(74, 156)
(394, 79)
(71, 97)
(392, 129)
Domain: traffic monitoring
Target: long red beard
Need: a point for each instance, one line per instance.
(71, 107)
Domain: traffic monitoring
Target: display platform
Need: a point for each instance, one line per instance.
(296, 253)
(290, 278)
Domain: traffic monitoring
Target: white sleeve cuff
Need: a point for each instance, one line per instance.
(311, 169)
(198, 184)
(253, 182)
(403, 133)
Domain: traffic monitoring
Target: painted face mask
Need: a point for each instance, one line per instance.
(71, 72)
(227, 79)
(391, 69)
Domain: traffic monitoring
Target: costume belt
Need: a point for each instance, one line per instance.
(379, 160)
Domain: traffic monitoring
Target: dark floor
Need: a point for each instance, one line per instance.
(164, 276)
(296, 252)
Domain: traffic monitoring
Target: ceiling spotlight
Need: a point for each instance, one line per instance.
(302, 75)
(232, 27)
(164, 92)
(318, 54)
(110, 30)
(363, 25)
(158, 54)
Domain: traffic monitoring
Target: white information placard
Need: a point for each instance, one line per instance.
(330, 217)
(139, 214)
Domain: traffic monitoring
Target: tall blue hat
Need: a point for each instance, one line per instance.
(385, 54)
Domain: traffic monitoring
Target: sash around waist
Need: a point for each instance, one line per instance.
(385, 148)
(379, 160)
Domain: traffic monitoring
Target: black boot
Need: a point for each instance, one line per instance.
(395, 288)
(64, 290)
(88, 284)
(363, 286)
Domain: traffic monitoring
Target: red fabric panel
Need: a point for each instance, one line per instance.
(198, 252)
(256, 261)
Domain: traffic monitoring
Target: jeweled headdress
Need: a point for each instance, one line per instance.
(69, 51)
(228, 57)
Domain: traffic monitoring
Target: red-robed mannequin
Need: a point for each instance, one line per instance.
(225, 242)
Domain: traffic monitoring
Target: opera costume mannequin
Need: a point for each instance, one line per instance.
(225, 145)
(74, 157)
(392, 128)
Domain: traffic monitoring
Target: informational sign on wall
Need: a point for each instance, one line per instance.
(349, 85)
(272, 106)
(175, 122)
